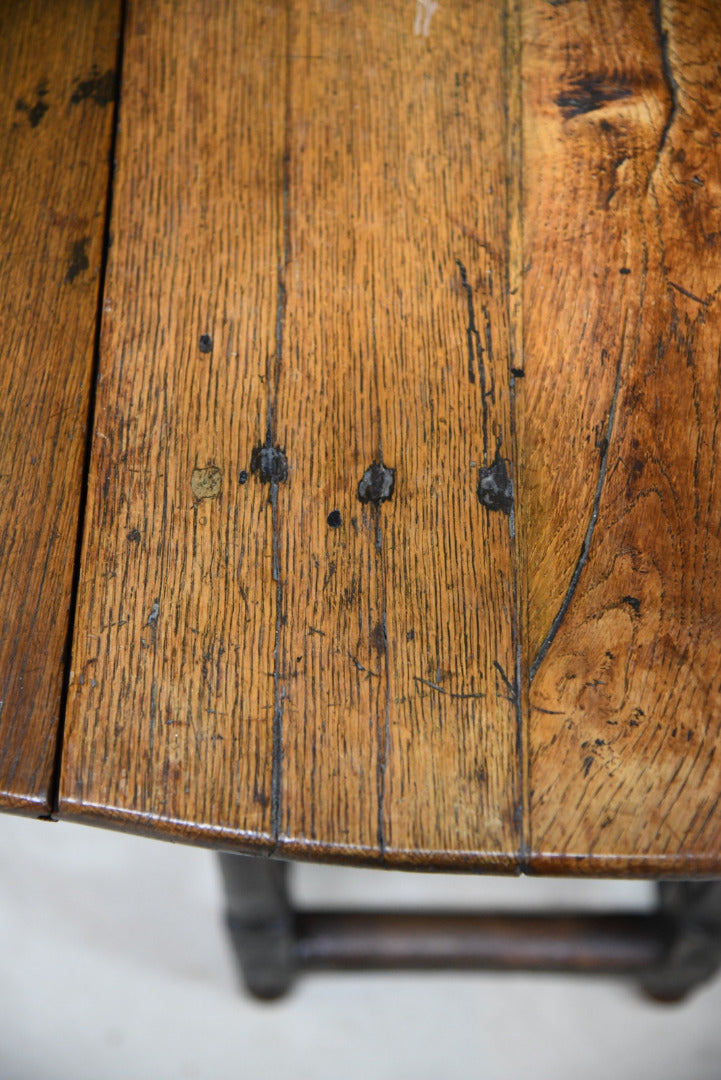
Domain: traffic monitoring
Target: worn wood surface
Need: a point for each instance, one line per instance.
(620, 492)
(359, 283)
(171, 704)
(396, 642)
(56, 107)
(293, 661)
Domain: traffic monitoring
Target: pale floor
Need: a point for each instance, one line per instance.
(114, 965)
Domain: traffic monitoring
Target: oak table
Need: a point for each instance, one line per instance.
(361, 386)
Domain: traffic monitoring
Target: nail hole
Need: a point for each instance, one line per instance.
(334, 519)
(495, 486)
(376, 484)
(269, 464)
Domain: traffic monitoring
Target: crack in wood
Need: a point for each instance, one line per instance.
(473, 337)
(278, 693)
(442, 689)
(512, 690)
(586, 546)
(671, 86)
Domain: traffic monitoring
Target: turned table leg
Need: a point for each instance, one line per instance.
(259, 918)
(694, 909)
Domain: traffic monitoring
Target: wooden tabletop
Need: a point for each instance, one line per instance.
(361, 428)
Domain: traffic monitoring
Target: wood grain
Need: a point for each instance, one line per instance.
(383, 323)
(620, 497)
(396, 639)
(284, 664)
(56, 111)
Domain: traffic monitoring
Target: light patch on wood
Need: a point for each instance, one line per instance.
(425, 10)
(207, 483)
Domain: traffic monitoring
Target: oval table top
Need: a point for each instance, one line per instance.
(395, 333)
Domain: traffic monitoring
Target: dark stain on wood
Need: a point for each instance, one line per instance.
(269, 464)
(78, 260)
(495, 485)
(476, 353)
(587, 93)
(377, 484)
(379, 638)
(99, 89)
(35, 112)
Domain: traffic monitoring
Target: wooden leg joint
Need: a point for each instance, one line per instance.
(260, 921)
(693, 908)
(671, 950)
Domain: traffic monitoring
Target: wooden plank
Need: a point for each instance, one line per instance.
(170, 710)
(396, 644)
(356, 297)
(56, 110)
(333, 680)
(453, 778)
(621, 498)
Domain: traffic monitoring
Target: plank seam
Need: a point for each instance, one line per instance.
(276, 799)
(66, 661)
(514, 256)
(383, 725)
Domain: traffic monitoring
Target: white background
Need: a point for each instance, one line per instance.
(114, 964)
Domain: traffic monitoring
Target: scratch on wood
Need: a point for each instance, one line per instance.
(690, 295)
(586, 546)
(475, 354)
(506, 681)
(359, 666)
(471, 234)
(442, 690)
